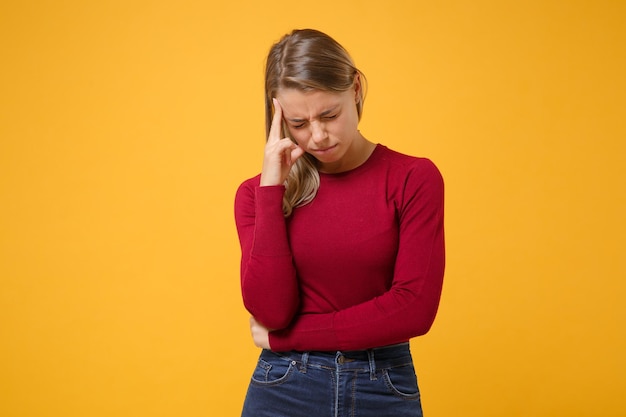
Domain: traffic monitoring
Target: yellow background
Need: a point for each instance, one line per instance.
(126, 126)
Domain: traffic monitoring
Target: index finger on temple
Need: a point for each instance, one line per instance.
(276, 128)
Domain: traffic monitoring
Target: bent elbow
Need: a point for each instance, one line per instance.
(279, 323)
(424, 328)
(426, 321)
(274, 317)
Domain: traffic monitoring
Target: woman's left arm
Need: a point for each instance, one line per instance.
(409, 307)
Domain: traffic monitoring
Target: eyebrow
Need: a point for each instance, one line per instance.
(322, 114)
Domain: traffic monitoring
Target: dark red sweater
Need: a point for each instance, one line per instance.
(361, 266)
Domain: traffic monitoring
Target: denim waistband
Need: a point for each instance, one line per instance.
(369, 360)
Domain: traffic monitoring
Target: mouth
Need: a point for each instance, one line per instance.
(323, 150)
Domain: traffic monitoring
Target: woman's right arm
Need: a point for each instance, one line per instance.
(268, 277)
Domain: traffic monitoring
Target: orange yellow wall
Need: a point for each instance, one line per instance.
(126, 126)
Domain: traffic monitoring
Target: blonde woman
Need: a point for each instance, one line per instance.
(342, 246)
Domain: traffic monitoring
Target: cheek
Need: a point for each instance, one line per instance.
(299, 136)
(339, 129)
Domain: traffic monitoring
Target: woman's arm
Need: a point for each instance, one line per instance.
(409, 307)
(268, 277)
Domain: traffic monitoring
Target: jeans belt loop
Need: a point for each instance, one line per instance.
(305, 360)
(372, 360)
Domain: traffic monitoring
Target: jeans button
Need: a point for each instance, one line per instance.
(341, 359)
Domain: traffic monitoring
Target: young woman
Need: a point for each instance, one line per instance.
(342, 246)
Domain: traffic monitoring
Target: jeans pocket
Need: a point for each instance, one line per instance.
(272, 371)
(402, 381)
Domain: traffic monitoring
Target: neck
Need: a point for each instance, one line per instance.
(359, 151)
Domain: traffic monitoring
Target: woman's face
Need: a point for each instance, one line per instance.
(324, 124)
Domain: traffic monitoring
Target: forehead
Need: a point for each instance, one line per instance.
(296, 103)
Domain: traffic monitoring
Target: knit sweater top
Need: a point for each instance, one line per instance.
(360, 266)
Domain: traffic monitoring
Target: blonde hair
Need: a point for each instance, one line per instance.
(305, 60)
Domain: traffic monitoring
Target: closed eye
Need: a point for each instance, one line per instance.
(299, 124)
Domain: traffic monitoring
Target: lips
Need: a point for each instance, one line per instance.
(324, 150)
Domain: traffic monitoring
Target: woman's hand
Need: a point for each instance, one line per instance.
(280, 152)
(260, 334)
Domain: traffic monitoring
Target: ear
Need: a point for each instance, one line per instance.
(357, 87)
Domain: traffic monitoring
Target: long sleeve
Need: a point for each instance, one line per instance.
(408, 307)
(268, 277)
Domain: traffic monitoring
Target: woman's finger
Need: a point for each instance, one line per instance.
(276, 129)
(296, 153)
(260, 334)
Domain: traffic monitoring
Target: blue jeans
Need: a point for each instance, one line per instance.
(368, 383)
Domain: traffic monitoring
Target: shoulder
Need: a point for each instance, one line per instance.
(250, 192)
(245, 194)
(409, 167)
(415, 184)
(248, 185)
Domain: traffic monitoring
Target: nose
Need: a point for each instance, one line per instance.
(318, 132)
